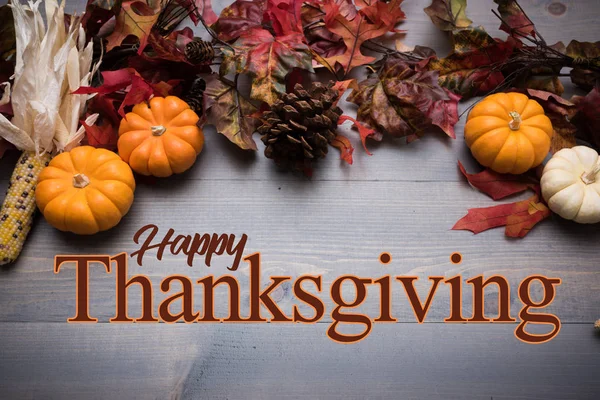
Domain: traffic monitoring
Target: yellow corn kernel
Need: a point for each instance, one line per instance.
(16, 214)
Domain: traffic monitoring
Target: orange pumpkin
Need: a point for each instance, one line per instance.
(509, 133)
(160, 139)
(85, 191)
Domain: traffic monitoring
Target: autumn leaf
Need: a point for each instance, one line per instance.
(449, 15)
(514, 20)
(230, 112)
(518, 218)
(205, 9)
(136, 88)
(495, 185)
(345, 147)
(586, 63)
(7, 34)
(240, 17)
(469, 70)
(587, 118)
(104, 133)
(342, 86)
(372, 21)
(135, 18)
(363, 131)
(285, 16)
(268, 60)
(404, 102)
(560, 111)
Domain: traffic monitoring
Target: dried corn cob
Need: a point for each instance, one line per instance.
(16, 214)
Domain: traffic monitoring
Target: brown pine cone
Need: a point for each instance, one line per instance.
(300, 125)
(199, 51)
(194, 95)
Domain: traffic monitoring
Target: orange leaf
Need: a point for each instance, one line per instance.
(136, 18)
(345, 147)
(371, 22)
(363, 131)
(518, 218)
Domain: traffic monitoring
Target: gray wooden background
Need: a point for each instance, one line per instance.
(403, 199)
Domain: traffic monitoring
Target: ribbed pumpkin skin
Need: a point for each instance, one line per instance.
(496, 145)
(96, 207)
(161, 139)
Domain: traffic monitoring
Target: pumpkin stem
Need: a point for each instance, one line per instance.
(158, 130)
(515, 123)
(80, 181)
(590, 177)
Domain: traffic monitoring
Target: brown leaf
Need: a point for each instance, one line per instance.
(469, 70)
(560, 111)
(372, 21)
(404, 102)
(136, 18)
(449, 15)
(518, 218)
(495, 185)
(515, 21)
(587, 118)
(230, 112)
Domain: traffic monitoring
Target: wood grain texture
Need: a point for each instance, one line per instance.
(403, 199)
(400, 361)
(331, 229)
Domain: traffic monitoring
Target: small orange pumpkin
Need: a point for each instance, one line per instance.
(509, 133)
(160, 139)
(85, 191)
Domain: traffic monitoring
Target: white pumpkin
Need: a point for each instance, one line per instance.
(571, 184)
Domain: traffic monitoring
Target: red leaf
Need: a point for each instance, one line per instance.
(588, 116)
(345, 147)
(240, 17)
(166, 48)
(103, 136)
(495, 185)
(285, 16)
(206, 11)
(140, 91)
(363, 131)
(113, 81)
(516, 23)
(518, 218)
(371, 22)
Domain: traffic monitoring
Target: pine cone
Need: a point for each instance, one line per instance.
(199, 51)
(300, 125)
(194, 95)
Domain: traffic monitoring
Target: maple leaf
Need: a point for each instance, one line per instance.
(240, 17)
(495, 185)
(404, 102)
(268, 59)
(363, 131)
(345, 147)
(470, 69)
(138, 89)
(588, 116)
(285, 16)
(518, 218)
(449, 15)
(372, 21)
(230, 112)
(514, 20)
(560, 111)
(104, 133)
(135, 18)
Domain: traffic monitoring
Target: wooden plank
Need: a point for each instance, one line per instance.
(298, 232)
(398, 361)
